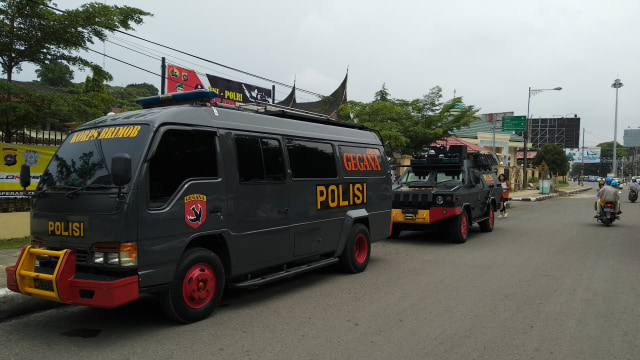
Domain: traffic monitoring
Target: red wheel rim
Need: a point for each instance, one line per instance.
(360, 249)
(463, 227)
(198, 286)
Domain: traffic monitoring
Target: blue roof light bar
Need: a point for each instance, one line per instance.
(177, 98)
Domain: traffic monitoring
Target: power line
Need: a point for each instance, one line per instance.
(188, 54)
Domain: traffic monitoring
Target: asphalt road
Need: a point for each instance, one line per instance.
(547, 283)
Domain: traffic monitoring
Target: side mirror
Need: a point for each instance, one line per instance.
(25, 176)
(121, 169)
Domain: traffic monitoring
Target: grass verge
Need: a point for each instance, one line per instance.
(14, 243)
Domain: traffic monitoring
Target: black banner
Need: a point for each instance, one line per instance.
(233, 91)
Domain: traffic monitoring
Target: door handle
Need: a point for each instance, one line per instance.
(215, 210)
(283, 211)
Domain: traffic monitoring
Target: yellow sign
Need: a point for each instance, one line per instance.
(13, 156)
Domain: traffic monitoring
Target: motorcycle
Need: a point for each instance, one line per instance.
(608, 213)
(633, 195)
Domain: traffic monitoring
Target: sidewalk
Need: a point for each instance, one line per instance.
(14, 304)
(534, 195)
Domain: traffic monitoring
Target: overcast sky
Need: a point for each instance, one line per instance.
(489, 52)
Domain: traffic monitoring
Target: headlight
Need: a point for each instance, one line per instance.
(439, 200)
(115, 254)
(98, 257)
(112, 258)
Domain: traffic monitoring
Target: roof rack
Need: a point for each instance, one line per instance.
(454, 156)
(208, 98)
(289, 113)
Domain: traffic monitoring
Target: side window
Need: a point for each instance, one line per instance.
(259, 159)
(311, 160)
(179, 156)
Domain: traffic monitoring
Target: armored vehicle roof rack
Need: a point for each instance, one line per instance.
(207, 98)
(454, 156)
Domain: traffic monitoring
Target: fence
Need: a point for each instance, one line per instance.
(32, 137)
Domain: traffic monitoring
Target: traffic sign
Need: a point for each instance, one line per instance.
(514, 123)
(543, 167)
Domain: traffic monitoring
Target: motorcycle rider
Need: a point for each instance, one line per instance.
(634, 185)
(608, 194)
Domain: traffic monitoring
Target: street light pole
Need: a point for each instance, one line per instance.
(533, 92)
(617, 84)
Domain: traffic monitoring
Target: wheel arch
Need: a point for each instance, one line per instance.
(352, 217)
(217, 244)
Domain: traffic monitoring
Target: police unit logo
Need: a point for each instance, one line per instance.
(10, 160)
(31, 157)
(195, 210)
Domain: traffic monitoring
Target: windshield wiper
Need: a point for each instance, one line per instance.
(89, 186)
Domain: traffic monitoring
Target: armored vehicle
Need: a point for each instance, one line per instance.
(449, 188)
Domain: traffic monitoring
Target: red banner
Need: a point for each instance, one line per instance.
(181, 80)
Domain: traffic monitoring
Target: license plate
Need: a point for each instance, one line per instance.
(40, 284)
(410, 211)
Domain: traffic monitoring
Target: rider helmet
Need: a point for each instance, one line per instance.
(608, 180)
(615, 183)
(633, 180)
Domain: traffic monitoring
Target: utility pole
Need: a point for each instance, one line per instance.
(617, 84)
(582, 161)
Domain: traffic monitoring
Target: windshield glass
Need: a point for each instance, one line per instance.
(433, 177)
(84, 159)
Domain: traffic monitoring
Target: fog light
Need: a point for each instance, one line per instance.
(439, 200)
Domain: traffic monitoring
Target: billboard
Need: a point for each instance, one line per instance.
(230, 92)
(591, 155)
(13, 156)
(238, 91)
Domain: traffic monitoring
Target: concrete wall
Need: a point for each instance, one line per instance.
(14, 225)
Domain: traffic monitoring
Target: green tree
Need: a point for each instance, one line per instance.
(24, 109)
(32, 33)
(410, 125)
(606, 156)
(55, 74)
(554, 157)
(606, 150)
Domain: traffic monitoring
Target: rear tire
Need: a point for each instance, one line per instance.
(459, 228)
(487, 224)
(196, 288)
(355, 257)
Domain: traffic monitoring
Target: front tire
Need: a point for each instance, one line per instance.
(395, 232)
(196, 288)
(355, 257)
(459, 228)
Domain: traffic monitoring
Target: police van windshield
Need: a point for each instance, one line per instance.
(84, 159)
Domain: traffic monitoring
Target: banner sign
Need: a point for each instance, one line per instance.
(181, 79)
(13, 156)
(591, 155)
(231, 92)
(238, 91)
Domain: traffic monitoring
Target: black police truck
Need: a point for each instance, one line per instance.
(184, 201)
(447, 188)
